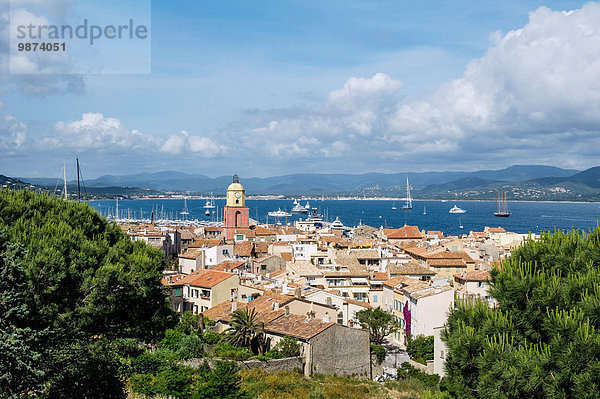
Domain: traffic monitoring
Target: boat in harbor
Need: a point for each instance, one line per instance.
(456, 209)
(394, 206)
(299, 209)
(337, 225)
(502, 207)
(185, 212)
(210, 203)
(279, 214)
(425, 210)
(408, 205)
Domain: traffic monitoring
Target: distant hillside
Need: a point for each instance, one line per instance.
(323, 184)
(12, 183)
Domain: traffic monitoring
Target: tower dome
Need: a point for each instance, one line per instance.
(236, 194)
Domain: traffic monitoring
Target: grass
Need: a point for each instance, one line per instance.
(293, 385)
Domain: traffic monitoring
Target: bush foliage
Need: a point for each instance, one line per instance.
(542, 340)
(420, 349)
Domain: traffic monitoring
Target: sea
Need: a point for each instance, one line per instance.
(525, 217)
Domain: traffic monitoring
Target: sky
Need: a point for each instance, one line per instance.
(264, 88)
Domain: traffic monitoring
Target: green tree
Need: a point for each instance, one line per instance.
(288, 347)
(379, 323)
(420, 349)
(87, 285)
(542, 340)
(245, 331)
(19, 370)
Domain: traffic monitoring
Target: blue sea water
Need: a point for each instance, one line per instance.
(526, 216)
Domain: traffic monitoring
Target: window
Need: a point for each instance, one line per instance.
(239, 237)
(225, 252)
(263, 267)
(178, 293)
(480, 284)
(374, 298)
(340, 318)
(442, 354)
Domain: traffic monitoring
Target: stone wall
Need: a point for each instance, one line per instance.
(289, 363)
(340, 350)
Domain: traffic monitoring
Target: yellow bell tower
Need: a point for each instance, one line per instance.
(236, 212)
(236, 195)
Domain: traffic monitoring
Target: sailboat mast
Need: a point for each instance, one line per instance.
(65, 180)
(78, 188)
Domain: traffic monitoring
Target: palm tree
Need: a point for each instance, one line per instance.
(245, 331)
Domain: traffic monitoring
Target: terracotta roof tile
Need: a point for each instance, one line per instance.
(409, 269)
(479, 275)
(206, 278)
(243, 249)
(297, 326)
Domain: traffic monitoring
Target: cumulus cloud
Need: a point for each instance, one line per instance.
(12, 134)
(183, 142)
(535, 92)
(95, 132)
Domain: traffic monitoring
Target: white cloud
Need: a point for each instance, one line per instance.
(94, 132)
(12, 134)
(535, 92)
(184, 142)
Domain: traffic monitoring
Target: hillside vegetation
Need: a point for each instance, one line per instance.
(543, 340)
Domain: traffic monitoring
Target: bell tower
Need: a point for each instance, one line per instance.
(236, 211)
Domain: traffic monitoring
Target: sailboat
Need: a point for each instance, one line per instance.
(185, 209)
(502, 207)
(210, 204)
(408, 205)
(394, 206)
(460, 225)
(424, 210)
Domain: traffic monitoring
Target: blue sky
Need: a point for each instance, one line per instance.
(272, 87)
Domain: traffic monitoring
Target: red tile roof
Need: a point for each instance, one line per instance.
(243, 249)
(406, 232)
(297, 326)
(206, 278)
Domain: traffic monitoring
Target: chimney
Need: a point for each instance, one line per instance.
(326, 317)
(233, 305)
(297, 293)
(287, 310)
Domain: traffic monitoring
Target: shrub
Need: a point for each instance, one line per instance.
(211, 337)
(407, 371)
(420, 349)
(379, 351)
(288, 347)
(172, 340)
(190, 347)
(228, 351)
(152, 363)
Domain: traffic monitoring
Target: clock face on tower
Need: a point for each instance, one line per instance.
(238, 195)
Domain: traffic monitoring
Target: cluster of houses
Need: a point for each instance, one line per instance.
(309, 282)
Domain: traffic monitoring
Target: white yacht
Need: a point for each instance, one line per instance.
(299, 209)
(210, 203)
(456, 209)
(337, 225)
(279, 214)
